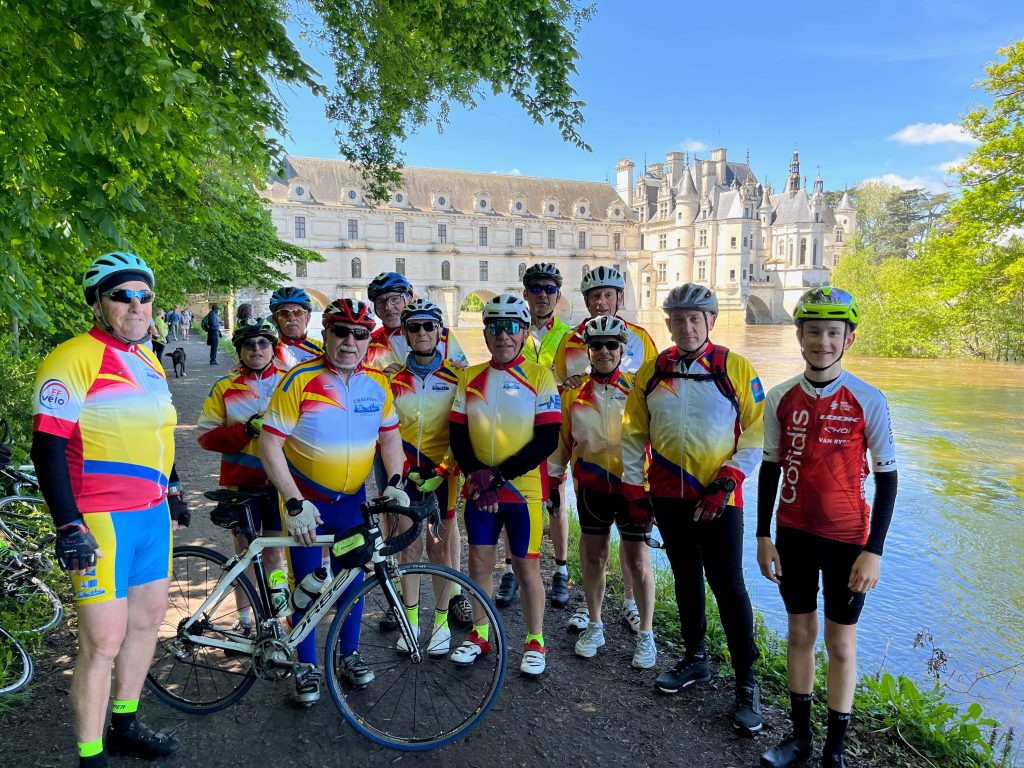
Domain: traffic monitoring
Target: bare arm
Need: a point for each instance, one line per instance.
(274, 462)
(391, 452)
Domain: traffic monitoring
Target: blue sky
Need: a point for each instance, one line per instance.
(866, 92)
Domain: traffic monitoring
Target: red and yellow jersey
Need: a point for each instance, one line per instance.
(591, 435)
(291, 352)
(110, 401)
(424, 406)
(822, 437)
(392, 348)
(501, 405)
(691, 428)
(330, 427)
(571, 357)
(231, 402)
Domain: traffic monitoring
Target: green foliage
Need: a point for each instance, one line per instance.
(894, 222)
(17, 391)
(471, 303)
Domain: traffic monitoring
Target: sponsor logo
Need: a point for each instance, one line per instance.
(756, 389)
(511, 386)
(54, 394)
(363, 406)
(439, 387)
(837, 430)
(551, 403)
(796, 431)
(828, 417)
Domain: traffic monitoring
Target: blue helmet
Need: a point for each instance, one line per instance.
(111, 269)
(290, 294)
(388, 282)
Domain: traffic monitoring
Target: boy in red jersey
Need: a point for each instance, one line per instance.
(819, 428)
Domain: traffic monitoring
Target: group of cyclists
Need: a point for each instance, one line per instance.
(646, 437)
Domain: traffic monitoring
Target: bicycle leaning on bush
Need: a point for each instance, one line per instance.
(417, 700)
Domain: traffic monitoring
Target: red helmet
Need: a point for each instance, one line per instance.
(349, 311)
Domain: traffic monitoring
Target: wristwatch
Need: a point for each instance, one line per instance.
(728, 484)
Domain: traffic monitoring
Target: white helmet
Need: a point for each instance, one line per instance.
(505, 306)
(604, 326)
(603, 277)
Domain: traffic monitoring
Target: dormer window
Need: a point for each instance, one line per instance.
(400, 200)
(581, 209)
(550, 207)
(300, 191)
(517, 206)
(482, 202)
(442, 200)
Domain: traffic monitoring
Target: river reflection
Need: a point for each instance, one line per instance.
(954, 559)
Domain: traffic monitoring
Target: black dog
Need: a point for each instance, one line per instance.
(178, 358)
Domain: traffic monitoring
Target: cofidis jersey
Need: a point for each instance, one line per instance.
(330, 427)
(110, 401)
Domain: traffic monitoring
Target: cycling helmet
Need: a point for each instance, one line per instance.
(505, 306)
(111, 269)
(827, 303)
(604, 326)
(422, 309)
(349, 311)
(603, 277)
(542, 271)
(388, 282)
(691, 296)
(290, 294)
(252, 328)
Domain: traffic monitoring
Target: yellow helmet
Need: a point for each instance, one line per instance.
(827, 303)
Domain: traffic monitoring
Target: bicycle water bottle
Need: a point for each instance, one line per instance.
(309, 589)
(279, 593)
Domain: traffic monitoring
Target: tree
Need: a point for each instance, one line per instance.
(894, 221)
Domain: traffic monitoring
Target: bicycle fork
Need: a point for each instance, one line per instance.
(391, 582)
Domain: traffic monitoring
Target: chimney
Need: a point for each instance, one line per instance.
(624, 181)
(718, 158)
(674, 167)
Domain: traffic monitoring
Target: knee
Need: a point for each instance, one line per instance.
(842, 650)
(802, 636)
(100, 649)
(596, 558)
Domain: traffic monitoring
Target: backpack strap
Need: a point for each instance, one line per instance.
(664, 369)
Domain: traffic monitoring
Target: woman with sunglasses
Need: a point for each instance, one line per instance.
(103, 444)
(319, 438)
(504, 425)
(591, 436)
(424, 389)
(231, 423)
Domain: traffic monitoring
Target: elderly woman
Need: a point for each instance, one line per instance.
(103, 444)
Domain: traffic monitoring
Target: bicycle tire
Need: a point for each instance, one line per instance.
(187, 676)
(26, 523)
(386, 711)
(16, 667)
(30, 598)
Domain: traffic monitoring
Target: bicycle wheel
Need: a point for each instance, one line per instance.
(25, 521)
(413, 705)
(187, 675)
(36, 606)
(15, 664)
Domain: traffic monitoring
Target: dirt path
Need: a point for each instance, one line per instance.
(596, 712)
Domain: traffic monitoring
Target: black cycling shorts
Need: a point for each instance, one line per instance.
(598, 511)
(802, 557)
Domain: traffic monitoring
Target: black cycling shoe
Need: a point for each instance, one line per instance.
(746, 713)
(388, 622)
(508, 590)
(460, 612)
(559, 590)
(833, 761)
(139, 740)
(790, 751)
(691, 670)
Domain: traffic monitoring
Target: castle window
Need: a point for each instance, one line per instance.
(522, 270)
(399, 232)
(782, 248)
(300, 226)
(517, 238)
(732, 242)
(839, 235)
(357, 267)
(702, 238)
(616, 241)
(483, 271)
(442, 233)
(551, 239)
(803, 251)
(814, 253)
(300, 268)
(662, 242)
(483, 235)
(662, 272)
(702, 270)
(581, 240)
(586, 270)
(732, 274)
(353, 229)
(446, 270)
(400, 265)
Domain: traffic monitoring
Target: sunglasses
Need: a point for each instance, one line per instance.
(496, 327)
(343, 332)
(397, 300)
(125, 296)
(288, 313)
(252, 346)
(597, 346)
(429, 326)
(550, 290)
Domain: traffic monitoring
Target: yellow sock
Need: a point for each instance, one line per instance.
(413, 614)
(483, 630)
(90, 748)
(539, 637)
(440, 619)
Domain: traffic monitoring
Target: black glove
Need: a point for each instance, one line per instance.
(177, 505)
(76, 547)
(254, 425)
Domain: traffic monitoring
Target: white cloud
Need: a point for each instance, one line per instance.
(693, 145)
(913, 182)
(949, 166)
(932, 133)
(515, 172)
(1008, 235)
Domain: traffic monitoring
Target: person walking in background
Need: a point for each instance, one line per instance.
(186, 323)
(211, 324)
(173, 319)
(159, 335)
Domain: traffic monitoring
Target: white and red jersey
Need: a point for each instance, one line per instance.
(822, 437)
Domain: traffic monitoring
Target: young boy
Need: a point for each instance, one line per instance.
(818, 429)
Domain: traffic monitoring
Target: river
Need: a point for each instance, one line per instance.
(954, 558)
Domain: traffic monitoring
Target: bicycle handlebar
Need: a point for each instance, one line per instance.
(418, 511)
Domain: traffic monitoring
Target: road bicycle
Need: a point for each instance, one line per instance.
(16, 666)
(418, 699)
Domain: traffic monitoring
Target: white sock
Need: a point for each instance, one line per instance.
(597, 625)
(627, 604)
(508, 568)
(562, 570)
(647, 633)
(245, 617)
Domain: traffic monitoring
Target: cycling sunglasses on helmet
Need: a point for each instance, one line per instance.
(125, 295)
(549, 289)
(428, 325)
(495, 327)
(344, 331)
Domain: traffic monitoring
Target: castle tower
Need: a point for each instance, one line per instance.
(793, 182)
(846, 216)
(624, 181)
(686, 199)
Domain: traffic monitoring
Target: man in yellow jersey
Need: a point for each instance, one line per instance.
(542, 285)
(603, 292)
(697, 409)
(319, 437)
(504, 425)
(103, 445)
(291, 308)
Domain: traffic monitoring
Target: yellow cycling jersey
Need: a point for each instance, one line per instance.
(424, 406)
(110, 401)
(501, 405)
(291, 352)
(389, 348)
(330, 427)
(571, 356)
(591, 435)
(691, 428)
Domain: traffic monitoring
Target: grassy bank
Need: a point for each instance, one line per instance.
(899, 721)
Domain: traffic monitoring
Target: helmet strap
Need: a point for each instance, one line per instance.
(544, 319)
(110, 329)
(819, 369)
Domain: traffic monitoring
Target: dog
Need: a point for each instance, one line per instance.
(178, 358)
